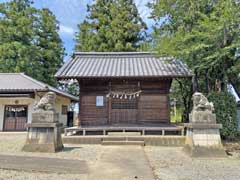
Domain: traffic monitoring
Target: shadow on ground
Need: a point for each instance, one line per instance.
(67, 149)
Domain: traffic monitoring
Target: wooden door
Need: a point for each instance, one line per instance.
(154, 109)
(15, 118)
(124, 111)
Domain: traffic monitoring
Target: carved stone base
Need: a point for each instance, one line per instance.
(205, 152)
(43, 137)
(203, 140)
(202, 117)
(44, 117)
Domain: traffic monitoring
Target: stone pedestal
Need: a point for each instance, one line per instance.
(44, 133)
(45, 117)
(203, 117)
(203, 136)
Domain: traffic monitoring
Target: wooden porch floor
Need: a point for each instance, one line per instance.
(162, 128)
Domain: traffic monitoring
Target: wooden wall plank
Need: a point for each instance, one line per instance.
(153, 104)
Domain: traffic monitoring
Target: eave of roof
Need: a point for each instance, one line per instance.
(111, 65)
(48, 87)
(16, 95)
(122, 77)
(39, 87)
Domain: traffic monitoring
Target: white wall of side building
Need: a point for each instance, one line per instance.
(60, 101)
(29, 102)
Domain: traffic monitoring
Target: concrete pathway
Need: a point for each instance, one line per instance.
(122, 163)
(42, 164)
(113, 163)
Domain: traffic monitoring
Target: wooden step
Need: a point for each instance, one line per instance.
(148, 140)
(124, 133)
(165, 141)
(112, 143)
(123, 138)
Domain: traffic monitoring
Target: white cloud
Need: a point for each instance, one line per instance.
(66, 30)
(144, 11)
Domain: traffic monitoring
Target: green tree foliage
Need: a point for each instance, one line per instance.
(29, 41)
(226, 112)
(203, 33)
(111, 25)
(49, 46)
(16, 36)
(181, 91)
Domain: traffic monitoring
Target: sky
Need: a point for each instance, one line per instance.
(69, 13)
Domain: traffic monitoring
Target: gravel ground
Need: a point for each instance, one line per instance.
(22, 175)
(171, 163)
(12, 143)
(168, 163)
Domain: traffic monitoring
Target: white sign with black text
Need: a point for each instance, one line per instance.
(99, 101)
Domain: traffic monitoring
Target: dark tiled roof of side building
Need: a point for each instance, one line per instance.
(121, 65)
(19, 82)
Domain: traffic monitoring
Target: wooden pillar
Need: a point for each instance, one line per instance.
(163, 132)
(109, 104)
(182, 132)
(79, 104)
(138, 102)
(168, 102)
(109, 110)
(168, 108)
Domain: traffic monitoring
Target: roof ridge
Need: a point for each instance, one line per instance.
(35, 81)
(112, 53)
(46, 86)
(120, 54)
(121, 65)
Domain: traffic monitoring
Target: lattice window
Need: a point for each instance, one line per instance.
(64, 109)
(124, 104)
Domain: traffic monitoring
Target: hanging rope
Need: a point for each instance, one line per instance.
(123, 95)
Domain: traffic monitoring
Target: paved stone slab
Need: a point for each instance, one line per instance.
(42, 164)
(122, 163)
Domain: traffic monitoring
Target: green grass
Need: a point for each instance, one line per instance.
(178, 117)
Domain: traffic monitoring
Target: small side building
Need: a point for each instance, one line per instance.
(19, 93)
(123, 88)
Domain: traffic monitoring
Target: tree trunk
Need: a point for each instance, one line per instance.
(206, 81)
(195, 81)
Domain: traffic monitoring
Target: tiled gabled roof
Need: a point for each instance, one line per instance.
(121, 65)
(19, 82)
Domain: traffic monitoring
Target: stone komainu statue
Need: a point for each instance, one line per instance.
(201, 103)
(47, 102)
(202, 135)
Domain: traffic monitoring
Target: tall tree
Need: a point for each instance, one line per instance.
(111, 25)
(29, 40)
(203, 33)
(16, 36)
(49, 45)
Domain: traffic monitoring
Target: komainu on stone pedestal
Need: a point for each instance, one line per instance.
(203, 135)
(44, 133)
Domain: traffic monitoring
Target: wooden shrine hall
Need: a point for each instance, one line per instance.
(123, 89)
